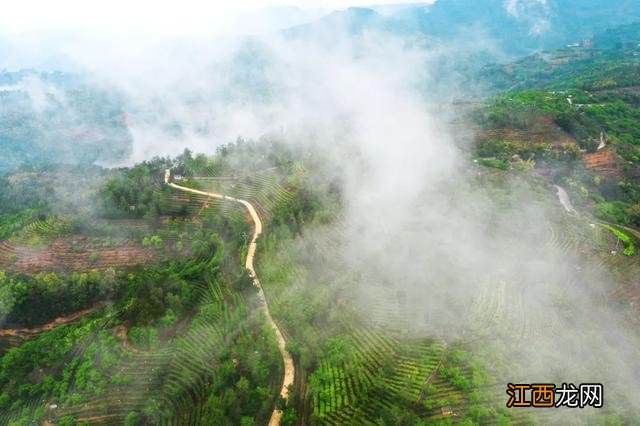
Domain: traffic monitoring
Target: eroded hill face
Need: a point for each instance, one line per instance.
(583, 140)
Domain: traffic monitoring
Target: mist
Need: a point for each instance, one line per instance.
(438, 254)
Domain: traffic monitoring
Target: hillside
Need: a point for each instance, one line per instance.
(136, 311)
(385, 215)
(611, 60)
(585, 97)
(531, 26)
(174, 337)
(60, 117)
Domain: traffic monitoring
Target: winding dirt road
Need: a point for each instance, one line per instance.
(289, 369)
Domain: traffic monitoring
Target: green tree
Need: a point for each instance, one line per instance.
(152, 410)
(132, 419)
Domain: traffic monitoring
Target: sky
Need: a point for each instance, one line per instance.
(156, 17)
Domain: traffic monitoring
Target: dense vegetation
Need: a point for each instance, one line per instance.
(611, 60)
(530, 26)
(183, 338)
(177, 336)
(597, 112)
(185, 326)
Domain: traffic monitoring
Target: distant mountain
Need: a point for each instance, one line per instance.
(513, 27)
(59, 118)
(610, 61)
(525, 25)
(622, 37)
(399, 9)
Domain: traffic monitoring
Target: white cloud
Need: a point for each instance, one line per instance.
(535, 12)
(157, 17)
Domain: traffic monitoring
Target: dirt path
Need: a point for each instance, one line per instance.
(25, 333)
(289, 369)
(565, 200)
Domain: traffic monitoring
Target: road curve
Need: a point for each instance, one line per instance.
(289, 368)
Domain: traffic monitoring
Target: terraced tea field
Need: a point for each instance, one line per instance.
(352, 366)
(51, 245)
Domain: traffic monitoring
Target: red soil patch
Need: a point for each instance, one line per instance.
(605, 163)
(73, 254)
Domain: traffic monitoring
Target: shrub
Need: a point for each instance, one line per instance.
(627, 240)
(494, 163)
(132, 419)
(157, 242)
(66, 421)
(615, 212)
(634, 214)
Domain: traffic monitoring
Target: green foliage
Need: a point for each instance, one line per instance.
(615, 212)
(67, 421)
(37, 299)
(48, 352)
(631, 191)
(138, 192)
(504, 150)
(248, 421)
(456, 377)
(289, 417)
(618, 118)
(132, 419)
(200, 165)
(634, 214)
(43, 230)
(11, 223)
(149, 296)
(630, 248)
(169, 318)
(588, 117)
(157, 242)
(145, 338)
(494, 163)
(520, 110)
(612, 63)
